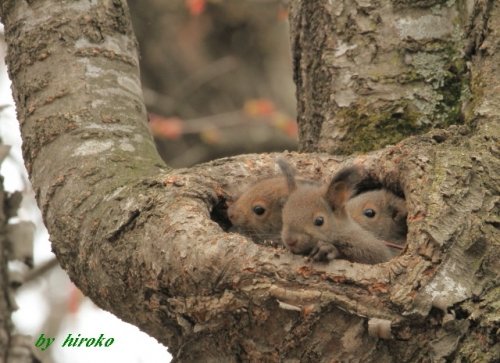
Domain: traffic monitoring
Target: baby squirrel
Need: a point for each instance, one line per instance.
(382, 213)
(257, 211)
(316, 220)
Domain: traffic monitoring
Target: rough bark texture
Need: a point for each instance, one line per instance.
(370, 73)
(146, 242)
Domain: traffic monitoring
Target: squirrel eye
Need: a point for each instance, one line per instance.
(370, 213)
(259, 210)
(318, 221)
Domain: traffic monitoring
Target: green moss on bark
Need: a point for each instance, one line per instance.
(370, 127)
(370, 130)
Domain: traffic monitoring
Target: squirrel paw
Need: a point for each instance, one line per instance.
(323, 251)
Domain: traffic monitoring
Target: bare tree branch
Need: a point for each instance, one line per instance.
(140, 240)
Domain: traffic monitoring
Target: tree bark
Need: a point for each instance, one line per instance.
(148, 243)
(370, 73)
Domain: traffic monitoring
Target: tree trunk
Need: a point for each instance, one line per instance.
(148, 244)
(371, 73)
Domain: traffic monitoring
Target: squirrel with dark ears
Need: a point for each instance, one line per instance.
(257, 212)
(316, 220)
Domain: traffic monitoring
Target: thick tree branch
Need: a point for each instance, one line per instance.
(139, 239)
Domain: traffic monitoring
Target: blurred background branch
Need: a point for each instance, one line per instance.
(217, 77)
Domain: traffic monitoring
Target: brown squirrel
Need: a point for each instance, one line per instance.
(316, 220)
(382, 213)
(258, 211)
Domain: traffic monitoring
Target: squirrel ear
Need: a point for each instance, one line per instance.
(399, 214)
(397, 206)
(288, 172)
(342, 186)
(338, 194)
(282, 201)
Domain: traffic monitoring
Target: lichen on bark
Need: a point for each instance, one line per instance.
(385, 72)
(138, 238)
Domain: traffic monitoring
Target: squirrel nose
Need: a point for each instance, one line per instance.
(291, 242)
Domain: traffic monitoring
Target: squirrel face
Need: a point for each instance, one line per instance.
(306, 220)
(381, 212)
(258, 210)
(315, 218)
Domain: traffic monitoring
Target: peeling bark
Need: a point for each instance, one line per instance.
(148, 243)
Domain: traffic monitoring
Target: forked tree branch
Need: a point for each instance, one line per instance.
(147, 243)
